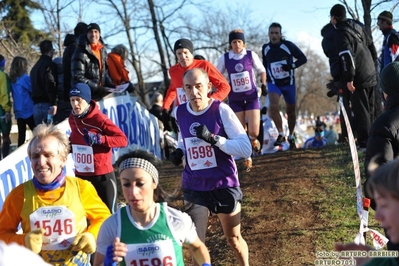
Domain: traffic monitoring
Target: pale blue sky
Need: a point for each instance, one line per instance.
(301, 20)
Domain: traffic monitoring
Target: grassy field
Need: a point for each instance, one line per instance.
(296, 203)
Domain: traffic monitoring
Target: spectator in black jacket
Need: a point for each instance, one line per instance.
(383, 142)
(357, 55)
(390, 44)
(334, 85)
(44, 84)
(70, 42)
(89, 62)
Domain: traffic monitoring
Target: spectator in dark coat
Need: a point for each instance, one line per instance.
(335, 84)
(44, 84)
(383, 142)
(89, 62)
(357, 57)
(156, 108)
(70, 43)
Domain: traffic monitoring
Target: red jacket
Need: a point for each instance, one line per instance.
(176, 81)
(117, 70)
(112, 137)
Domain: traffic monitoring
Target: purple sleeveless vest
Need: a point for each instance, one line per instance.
(224, 175)
(238, 66)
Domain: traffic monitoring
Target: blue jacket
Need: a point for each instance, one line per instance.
(21, 93)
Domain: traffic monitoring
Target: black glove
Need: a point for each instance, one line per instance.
(102, 90)
(165, 116)
(286, 67)
(204, 134)
(176, 157)
(339, 86)
(264, 110)
(264, 90)
(331, 93)
(131, 88)
(330, 84)
(100, 93)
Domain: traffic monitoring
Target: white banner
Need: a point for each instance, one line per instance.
(139, 126)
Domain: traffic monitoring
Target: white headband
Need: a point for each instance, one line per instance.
(140, 163)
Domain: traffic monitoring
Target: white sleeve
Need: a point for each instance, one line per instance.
(107, 234)
(221, 65)
(237, 142)
(183, 228)
(180, 144)
(257, 64)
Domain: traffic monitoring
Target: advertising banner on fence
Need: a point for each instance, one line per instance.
(140, 127)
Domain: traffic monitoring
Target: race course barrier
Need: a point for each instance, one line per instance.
(139, 126)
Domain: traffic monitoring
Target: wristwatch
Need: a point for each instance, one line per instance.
(216, 138)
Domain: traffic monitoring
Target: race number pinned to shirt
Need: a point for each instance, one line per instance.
(83, 158)
(181, 96)
(59, 223)
(158, 253)
(200, 154)
(277, 69)
(240, 82)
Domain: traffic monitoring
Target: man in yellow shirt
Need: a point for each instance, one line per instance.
(52, 208)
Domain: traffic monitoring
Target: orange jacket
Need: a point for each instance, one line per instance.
(176, 75)
(117, 70)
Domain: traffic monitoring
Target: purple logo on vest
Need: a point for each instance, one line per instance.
(192, 128)
(239, 67)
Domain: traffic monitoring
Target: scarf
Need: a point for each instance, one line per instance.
(57, 182)
(85, 112)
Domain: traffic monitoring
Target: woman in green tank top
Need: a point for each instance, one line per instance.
(146, 231)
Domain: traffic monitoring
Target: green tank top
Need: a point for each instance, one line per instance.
(151, 246)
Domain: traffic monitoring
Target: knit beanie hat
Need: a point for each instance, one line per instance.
(93, 26)
(338, 11)
(389, 78)
(184, 43)
(81, 90)
(236, 36)
(385, 15)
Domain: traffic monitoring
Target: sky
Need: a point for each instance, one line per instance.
(302, 20)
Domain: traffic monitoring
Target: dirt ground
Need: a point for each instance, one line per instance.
(279, 212)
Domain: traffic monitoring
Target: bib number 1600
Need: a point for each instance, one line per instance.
(83, 158)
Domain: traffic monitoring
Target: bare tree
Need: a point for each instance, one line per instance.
(57, 16)
(310, 82)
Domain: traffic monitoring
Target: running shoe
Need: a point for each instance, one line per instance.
(248, 164)
(280, 140)
(292, 141)
(255, 145)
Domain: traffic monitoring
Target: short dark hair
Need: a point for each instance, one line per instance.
(339, 12)
(275, 25)
(80, 29)
(46, 46)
